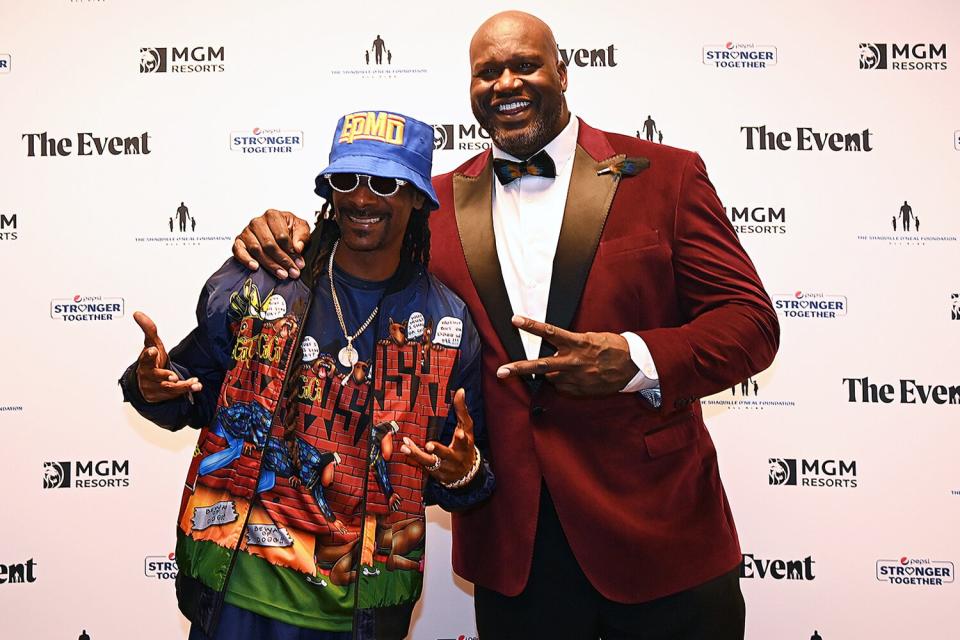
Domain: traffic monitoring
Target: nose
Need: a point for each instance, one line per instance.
(508, 81)
(361, 197)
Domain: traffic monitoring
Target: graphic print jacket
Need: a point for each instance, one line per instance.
(299, 504)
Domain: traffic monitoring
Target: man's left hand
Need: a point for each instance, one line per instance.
(585, 364)
(454, 461)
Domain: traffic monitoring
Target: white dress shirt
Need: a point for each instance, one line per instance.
(527, 216)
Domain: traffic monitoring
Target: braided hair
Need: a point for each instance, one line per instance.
(416, 239)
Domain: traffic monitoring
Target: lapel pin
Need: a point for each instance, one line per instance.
(626, 167)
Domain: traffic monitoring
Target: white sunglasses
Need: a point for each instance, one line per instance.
(347, 182)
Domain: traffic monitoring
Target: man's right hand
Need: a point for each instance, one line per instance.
(274, 241)
(157, 383)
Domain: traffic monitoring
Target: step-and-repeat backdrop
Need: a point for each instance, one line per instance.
(137, 138)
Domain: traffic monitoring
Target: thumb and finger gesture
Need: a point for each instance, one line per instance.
(447, 463)
(584, 364)
(156, 381)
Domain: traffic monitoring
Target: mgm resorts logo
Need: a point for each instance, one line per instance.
(759, 138)
(86, 475)
(908, 391)
(915, 571)
(752, 567)
(181, 60)
(791, 472)
(739, 56)
(809, 305)
(161, 567)
(460, 137)
(758, 220)
(86, 308)
(8, 226)
(876, 56)
(18, 572)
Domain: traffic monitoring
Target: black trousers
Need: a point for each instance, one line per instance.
(559, 602)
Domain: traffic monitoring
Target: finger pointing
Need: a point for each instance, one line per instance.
(554, 335)
(150, 337)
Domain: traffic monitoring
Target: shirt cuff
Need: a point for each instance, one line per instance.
(647, 376)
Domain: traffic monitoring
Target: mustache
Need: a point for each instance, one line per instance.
(362, 212)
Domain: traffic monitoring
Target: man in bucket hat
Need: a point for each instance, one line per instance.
(331, 409)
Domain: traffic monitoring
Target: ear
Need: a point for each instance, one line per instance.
(562, 72)
(418, 199)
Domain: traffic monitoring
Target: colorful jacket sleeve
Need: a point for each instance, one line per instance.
(468, 378)
(204, 354)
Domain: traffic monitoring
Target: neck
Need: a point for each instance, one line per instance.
(564, 121)
(367, 265)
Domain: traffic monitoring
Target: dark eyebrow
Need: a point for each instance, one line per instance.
(515, 58)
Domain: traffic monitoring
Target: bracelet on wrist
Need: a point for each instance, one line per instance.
(465, 480)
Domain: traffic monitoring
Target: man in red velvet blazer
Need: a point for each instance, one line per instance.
(609, 518)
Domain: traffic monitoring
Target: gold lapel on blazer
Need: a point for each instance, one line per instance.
(585, 213)
(473, 202)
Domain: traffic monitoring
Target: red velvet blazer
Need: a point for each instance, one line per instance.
(637, 489)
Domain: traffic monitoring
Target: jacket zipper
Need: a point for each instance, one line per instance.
(366, 473)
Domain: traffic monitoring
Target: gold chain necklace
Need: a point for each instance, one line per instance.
(348, 355)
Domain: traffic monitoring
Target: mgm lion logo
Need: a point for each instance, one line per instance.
(873, 56)
(56, 475)
(782, 471)
(153, 59)
(442, 136)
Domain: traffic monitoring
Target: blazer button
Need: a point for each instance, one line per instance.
(538, 410)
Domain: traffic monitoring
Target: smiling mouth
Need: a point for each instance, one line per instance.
(512, 108)
(363, 218)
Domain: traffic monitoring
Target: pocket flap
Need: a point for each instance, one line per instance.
(672, 437)
(625, 244)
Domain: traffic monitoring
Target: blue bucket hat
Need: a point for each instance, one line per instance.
(383, 144)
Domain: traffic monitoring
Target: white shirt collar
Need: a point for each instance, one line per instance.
(560, 149)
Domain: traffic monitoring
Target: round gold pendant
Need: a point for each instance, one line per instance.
(348, 356)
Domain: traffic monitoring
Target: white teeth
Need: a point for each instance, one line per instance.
(365, 220)
(513, 105)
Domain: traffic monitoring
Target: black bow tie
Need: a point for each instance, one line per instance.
(539, 165)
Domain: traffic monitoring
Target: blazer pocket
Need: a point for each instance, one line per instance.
(675, 435)
(628, 244)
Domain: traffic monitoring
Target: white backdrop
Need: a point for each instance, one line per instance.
(877, 484)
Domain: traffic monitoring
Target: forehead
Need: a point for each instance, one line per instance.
(510, 39)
